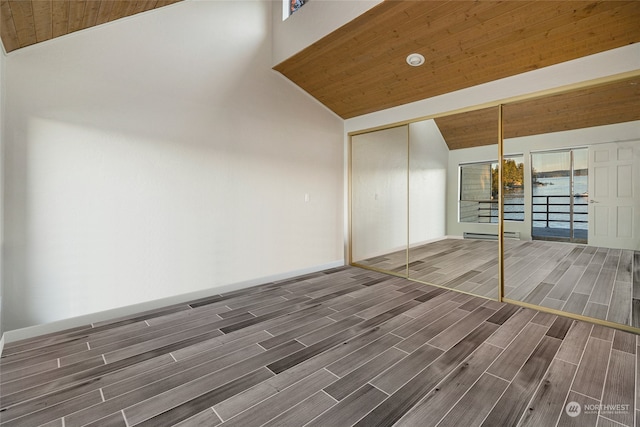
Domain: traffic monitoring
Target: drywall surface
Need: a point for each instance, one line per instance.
(379, 188)
(428, 164)
(161, 155)
(313, 21)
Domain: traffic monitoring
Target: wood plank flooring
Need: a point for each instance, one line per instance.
(342, 347)
(597, 282)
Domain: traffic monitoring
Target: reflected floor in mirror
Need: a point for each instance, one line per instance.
(576, 278)
(468, 265)
(341, 347)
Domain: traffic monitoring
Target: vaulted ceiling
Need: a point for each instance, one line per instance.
(361, 67)
(604, 104)
(26, 22)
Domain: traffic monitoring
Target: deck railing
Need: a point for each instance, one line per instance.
(560, 212)
(555, 212)
(488, 210)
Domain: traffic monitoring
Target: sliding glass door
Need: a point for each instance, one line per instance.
(559, 195)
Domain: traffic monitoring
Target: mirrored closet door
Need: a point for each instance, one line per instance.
(579, 246)
(379, 191)
(537, 198)
(424, 201)
(453, 202)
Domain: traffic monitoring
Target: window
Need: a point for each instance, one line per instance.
(291, 6)
(479, 191)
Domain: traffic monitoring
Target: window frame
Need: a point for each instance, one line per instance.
(287, 11)
(519, 159)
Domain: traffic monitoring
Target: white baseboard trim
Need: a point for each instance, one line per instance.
(426, 242)
(87, 319)
(401, 248)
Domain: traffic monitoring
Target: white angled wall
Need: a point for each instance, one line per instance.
(313, 21)
(160, 155)
(428, 158)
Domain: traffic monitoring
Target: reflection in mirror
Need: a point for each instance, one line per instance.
(578, 249)
(428, 158)
(453, 204)
(379, 199)
(559, 194)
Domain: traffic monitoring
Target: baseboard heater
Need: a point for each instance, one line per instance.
(491, 236)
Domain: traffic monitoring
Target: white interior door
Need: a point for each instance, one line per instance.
(614, 195)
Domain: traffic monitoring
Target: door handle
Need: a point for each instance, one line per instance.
(593, 201)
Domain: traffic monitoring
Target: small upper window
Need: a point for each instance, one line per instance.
(290, 6)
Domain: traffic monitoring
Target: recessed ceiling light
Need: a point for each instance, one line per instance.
(415, 60)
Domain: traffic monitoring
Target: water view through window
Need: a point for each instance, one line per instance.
(479, 191)
(560, 194)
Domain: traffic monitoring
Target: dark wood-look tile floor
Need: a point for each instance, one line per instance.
(343, 347)
(596, 282)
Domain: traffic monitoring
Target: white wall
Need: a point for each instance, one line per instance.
(160, 155)
(313, 21)
(428, 163)
(379, 186)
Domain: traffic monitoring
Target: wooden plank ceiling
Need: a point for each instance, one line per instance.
(361, 67)
(616, 102)
(26, 22)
